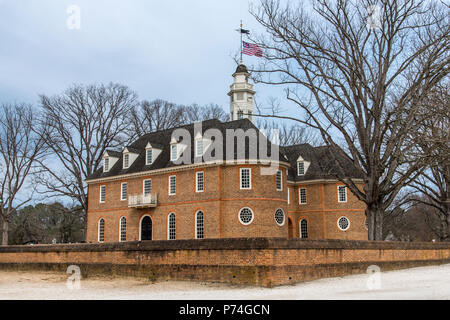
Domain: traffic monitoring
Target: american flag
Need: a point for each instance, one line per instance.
(251, 49)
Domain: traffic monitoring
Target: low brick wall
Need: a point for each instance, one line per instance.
(252, 261)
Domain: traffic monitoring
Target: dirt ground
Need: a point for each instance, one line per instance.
(417, 283)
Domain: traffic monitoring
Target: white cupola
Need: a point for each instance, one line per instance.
(241, 95)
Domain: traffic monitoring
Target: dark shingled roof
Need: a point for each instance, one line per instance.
(241, 68)
(163, 138)
(322, 163)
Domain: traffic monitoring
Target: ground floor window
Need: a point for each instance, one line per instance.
(279, 217)
(123, 229)
(172, 226)
(303, 229)
(343, 223)
(246, 216)
(101, 230)
(200, 225)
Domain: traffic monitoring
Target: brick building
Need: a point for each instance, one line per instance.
(221, 180)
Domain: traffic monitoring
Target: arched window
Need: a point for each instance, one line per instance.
(199, 225)
(101, 230)
(304, 229)
(171, 226)
(123, 229)
(246, 216)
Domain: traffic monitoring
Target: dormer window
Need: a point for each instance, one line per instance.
(301, 168)
(126, 160)
(148, 156)
(199, 147)
(105, 164)
(173, 152)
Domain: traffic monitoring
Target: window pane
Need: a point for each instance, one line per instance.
(172, 185)
(126, 160)
(302, 195)
(199, 147)
(124, 191)
(101, 230)
(149, 156)
(200, 181)
(245, 179)
(301, 168)
(304, 229)
(342, 193)
(123, 229)
(279, 181)
(172, 226)
(102, 193)
(173, 155)
(106, 164)
(147, 187)
(200, 231)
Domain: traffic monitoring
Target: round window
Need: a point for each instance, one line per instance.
(246, 216)
(343, 223)
(279, 217)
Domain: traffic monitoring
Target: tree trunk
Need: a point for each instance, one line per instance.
(5, 229)
(375, 218)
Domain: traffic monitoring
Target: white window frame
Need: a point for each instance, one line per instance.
(98, 230)
(168, 225)
(196, 181)
(239, 216)
(279, 174)
(121, 191)
(102, 187)
(105, 167)
(275, 217)
(298, 168)
(147, 163)
(197, 154)
(289, 195)
(338, 194)
(172, 158)
(170, 184)
(126, 164)
(120, 229)
(249, 178)
(143, 186)
(300, 228)
(337, 222)
(300, 195)
(196, 224)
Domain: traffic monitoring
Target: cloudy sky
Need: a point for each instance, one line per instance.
(177, 50)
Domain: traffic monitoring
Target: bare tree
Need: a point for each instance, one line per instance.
(289, 134)
(149, 116)
(195, 112)
(432, 137)
(83, 122)
(20, 149)
(358, 70)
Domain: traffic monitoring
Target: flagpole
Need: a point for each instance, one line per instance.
(241, 40)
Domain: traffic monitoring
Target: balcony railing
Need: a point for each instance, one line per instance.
(142, 200)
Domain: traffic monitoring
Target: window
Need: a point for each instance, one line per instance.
(172, 185)
(173, 152)
(199, 181)
(102, 194)
(123, 229)
(199, 148)
(246, 216)
(301, 168)
(304, 229)
(172, 226)
(246, 180)
(302, 195)
(147, 187)
(342, 194)
(101, 230)
(343, 223)
(199, 225)
(240, 115)
(148, 156)
(123, 193)
(279, 181)
(126, 160)
(240, 96)
(289, 195)
(279, 217)
(105, 164)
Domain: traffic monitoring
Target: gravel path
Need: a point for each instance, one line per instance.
(417, 283)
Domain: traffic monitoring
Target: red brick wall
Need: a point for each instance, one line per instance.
(256, 261)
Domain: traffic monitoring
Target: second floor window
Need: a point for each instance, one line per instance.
(172, 185)
(279, 181)
(147, 187)
(302, 195)
(246, 181)
(102, 193)
(199, 183)
(123, 191)
(342, 194)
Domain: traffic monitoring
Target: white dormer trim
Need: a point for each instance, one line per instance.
(305, 163)
(206, 144)
(179, 151)
(131, 157)
(155, 153)
(111, 161)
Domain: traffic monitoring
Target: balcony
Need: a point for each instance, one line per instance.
(142, 201)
